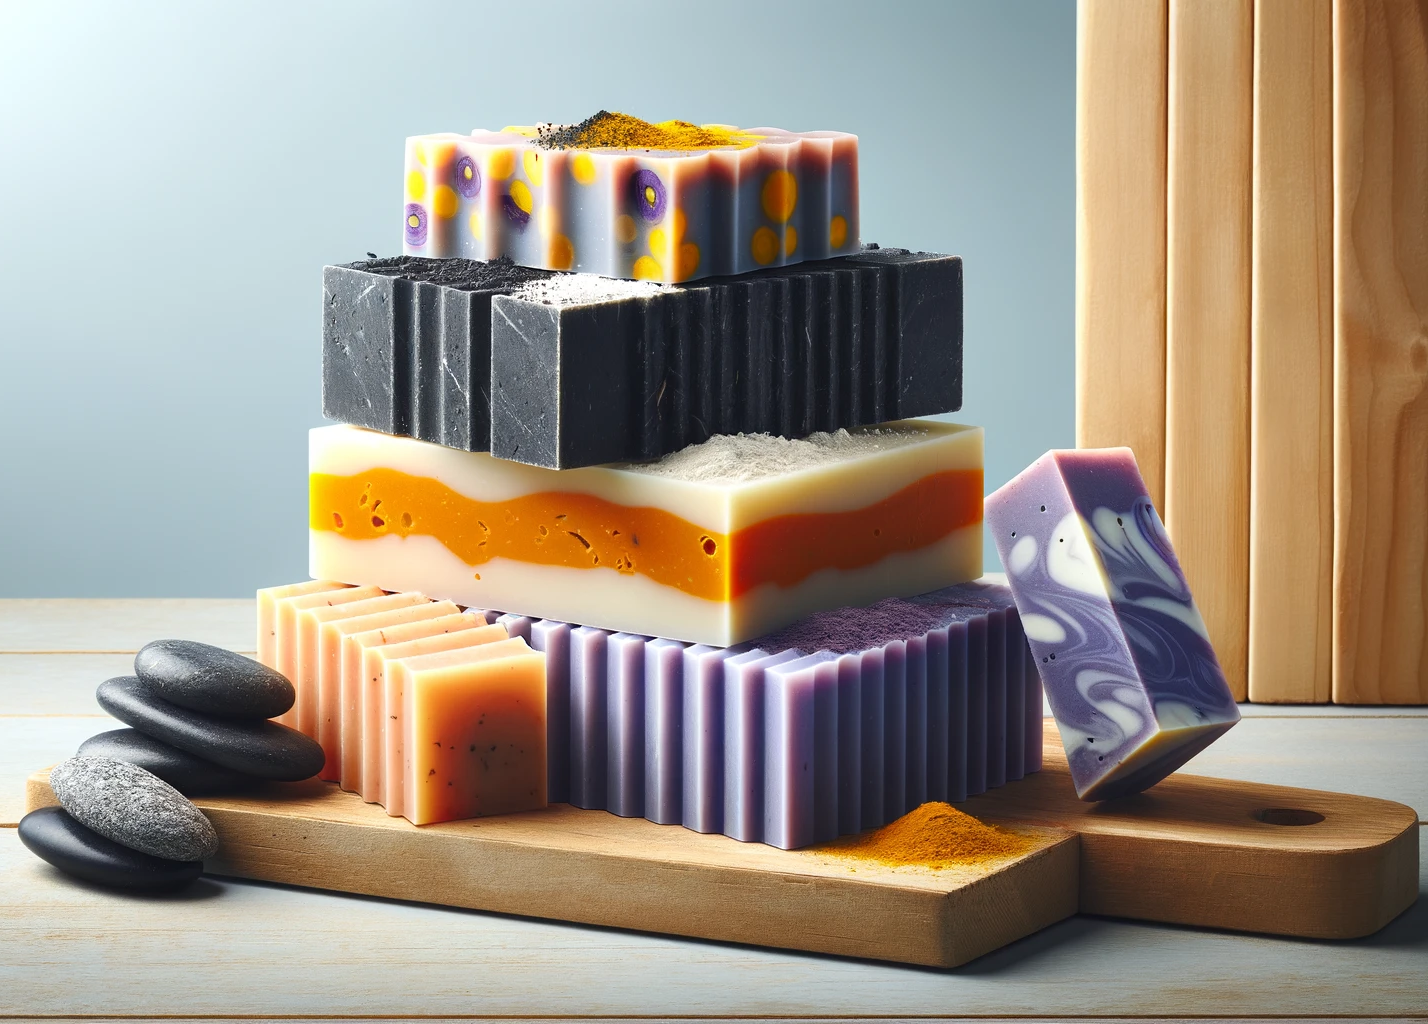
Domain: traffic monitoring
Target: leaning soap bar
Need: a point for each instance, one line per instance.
(586, 370)
(715, 544)
(624, 198)
(1128, 667)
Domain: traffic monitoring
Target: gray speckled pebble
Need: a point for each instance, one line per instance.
(133, 807)
(213, 681)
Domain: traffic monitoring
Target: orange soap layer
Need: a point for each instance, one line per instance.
(582, 531)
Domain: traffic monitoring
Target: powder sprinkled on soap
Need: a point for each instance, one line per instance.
(935, 835)
(613, 130)
(585, 290)
(739, 458)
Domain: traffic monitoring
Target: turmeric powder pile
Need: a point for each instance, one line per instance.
(606, 130)
(935, 835)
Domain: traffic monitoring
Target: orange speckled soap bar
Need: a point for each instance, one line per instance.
(715, 544)
(474, 720)
(620, 197)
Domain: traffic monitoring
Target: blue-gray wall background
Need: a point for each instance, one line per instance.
(173, 176)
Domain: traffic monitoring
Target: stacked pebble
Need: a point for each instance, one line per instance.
(198, 718)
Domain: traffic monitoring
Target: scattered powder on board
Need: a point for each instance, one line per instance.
(738, 458)
(584, 289)
(606, 130)
(935, 835)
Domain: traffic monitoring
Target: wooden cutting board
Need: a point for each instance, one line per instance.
(1192, 851)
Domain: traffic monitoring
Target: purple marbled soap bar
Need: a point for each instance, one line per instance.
(838, 723)
(1128, 668)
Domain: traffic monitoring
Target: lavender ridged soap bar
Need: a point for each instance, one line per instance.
(1127, 664)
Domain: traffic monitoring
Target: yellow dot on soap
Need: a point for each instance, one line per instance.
(658, 241)
(414, 220)
(503, 164)
(647, 269)
(521, 196)
(474, 221)
(679, 224)
(780, 196)
(625, 228)
(790, 240)
(562, 253)
(582, 168)
(651, 196)
(419, 151)
(416, 185)
(688, 260)
(837, 232)
(444, 202)
(764, 246)
(535, 171)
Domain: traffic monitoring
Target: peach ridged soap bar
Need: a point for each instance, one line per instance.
(475, 732)
(268, 601)
(295, 658)
(386, 663)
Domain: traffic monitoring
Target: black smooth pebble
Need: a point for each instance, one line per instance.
(213, 681)
(52, 835)
(265, 749)
(190, 775)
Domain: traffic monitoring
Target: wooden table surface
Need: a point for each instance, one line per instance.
(236, 949)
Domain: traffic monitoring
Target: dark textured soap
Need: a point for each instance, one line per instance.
(52, 835)
(264, 749)
(835, 343)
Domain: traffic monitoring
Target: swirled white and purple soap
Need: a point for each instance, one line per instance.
(622, 197)
(1124, 656)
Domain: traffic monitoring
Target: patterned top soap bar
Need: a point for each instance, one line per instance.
(624, 198)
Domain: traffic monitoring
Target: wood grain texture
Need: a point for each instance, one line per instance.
(1193, 851)
(1120, 230)
(123, 625)
(235, 948)
(1381, 351)
(593, 867)
(1207, 334)
(1292, 354)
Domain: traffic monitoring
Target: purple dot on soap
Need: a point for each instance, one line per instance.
(517, 216)
(468, 177)
(649, 195)
(416, 224)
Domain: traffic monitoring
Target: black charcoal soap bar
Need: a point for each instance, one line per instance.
(578, 370)
(406, 345)
(586, 370)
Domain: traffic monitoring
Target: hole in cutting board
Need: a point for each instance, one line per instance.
(1288, 816)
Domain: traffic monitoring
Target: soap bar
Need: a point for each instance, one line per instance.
(715, 544)
(666, 211)
(474, 722)
(725, 731)
(269, 600)
(1128, 667)
(586, 370)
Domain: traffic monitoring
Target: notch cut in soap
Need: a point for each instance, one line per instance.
(1124, 655)
(689, 548)
(705, 200)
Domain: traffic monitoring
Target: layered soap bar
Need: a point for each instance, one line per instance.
(1128, 667)
(623, 198)
(586, 370)
(715, 544)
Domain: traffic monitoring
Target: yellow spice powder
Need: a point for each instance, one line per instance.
(935, 835)
(607, 130)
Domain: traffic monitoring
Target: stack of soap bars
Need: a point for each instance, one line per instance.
(629, 507)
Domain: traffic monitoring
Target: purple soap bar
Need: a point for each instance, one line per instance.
(1127, 664)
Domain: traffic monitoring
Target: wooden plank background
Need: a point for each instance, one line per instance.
(1120, 231)
(1381, 351)
(1207, 336)
(1291, 528)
